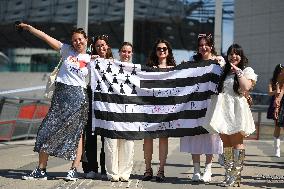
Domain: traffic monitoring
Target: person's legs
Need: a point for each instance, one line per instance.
(111, 151)
(39, 173)
(196, 164)
(228, 157)
(125, 159)
(238, 159)
(276, 139)
(72, 174)
(207, 172)
(163, 153)
(148, 151)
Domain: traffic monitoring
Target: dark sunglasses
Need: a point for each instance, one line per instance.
(162, 49)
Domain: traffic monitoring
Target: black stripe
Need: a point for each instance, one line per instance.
(152, 100)
(183, 65)
(150, 118)
(139, 135)
(179, 82)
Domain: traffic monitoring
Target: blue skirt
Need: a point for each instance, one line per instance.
(61, 129)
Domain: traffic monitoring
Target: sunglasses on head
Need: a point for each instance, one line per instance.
(162, 49)
(96, 38)
(201, 35)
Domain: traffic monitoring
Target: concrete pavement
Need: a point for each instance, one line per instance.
(261, 170)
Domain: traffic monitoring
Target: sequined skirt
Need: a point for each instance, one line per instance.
(61, 129)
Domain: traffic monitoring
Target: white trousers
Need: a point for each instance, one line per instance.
(119, 158)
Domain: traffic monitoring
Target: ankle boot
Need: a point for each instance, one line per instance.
(235, 175)
(228, 163)
(277, 147)
(196, 174)
(207, 173)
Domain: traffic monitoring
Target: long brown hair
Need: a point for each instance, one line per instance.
(153, 58)
(104, 38)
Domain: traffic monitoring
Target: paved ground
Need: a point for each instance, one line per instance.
(261, 170)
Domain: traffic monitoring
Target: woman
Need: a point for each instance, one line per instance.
(229, 113)
(100, 48)
(120, 152)
(273, 91)
(60, 133)
(160, 57)
(207, 144)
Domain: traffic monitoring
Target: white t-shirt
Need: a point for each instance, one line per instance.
(74, 68)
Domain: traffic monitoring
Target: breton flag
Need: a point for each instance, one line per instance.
(133, 101)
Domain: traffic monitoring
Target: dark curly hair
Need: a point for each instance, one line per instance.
(153, 58)
(276, 72)
(237, 49)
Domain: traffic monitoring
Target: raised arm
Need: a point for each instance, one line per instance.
(54, 43)
(245, 84)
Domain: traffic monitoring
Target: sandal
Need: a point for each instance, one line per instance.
(148, 175)
(160, 176)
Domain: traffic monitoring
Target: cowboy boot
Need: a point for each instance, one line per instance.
(277, 147)
(235, 175)
(228, 163)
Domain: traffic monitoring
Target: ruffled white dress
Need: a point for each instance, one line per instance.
(228, 112)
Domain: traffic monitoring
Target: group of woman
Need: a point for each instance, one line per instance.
(228, 116)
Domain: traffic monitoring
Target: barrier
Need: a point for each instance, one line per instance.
(20, 117)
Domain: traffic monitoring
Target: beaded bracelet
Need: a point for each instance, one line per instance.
(239, 73)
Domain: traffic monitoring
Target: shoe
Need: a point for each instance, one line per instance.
(91, 175)
(123, 179)
(207, 173)
(160, 176)
(72, 175)
(196, 177)
(114, 178)
(37, 174)
(148, 175)
(228, 164)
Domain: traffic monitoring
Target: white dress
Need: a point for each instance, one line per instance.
(205, 143)
(228, 112)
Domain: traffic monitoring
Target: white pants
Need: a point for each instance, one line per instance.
(119, 158)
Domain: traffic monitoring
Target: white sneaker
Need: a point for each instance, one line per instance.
(207, 173)
(91, 175)
(196, 177)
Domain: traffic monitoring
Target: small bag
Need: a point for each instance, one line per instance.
(50, 85)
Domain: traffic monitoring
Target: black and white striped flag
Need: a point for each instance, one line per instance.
(133, 101)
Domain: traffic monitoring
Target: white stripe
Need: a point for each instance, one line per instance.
(23, 90)
(150, 109)
(162, 92)
(143, 126)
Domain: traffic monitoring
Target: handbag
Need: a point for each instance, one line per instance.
(50, 85)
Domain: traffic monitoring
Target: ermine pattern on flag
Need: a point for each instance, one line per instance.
(133, 101)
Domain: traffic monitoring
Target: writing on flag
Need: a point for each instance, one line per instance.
(133, 101)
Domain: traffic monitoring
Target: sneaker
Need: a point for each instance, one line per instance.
(72, 174)
(37, 174)
(196, 177)
(92, 175)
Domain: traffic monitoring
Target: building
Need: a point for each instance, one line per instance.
(259, 29)
(178, 21)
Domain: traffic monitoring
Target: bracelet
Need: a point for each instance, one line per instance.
(239, 73)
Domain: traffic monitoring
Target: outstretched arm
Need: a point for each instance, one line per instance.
(54, 43)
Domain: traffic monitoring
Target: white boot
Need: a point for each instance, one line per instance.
(196, 174)
(207, 173)
(277, 146)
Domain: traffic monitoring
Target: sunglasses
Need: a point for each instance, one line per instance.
(201, 35)
(162, 49)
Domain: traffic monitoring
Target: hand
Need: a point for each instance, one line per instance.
(276, 113)
(95, 56)
(234, 68)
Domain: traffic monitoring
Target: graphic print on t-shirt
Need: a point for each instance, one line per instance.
(76, 66)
